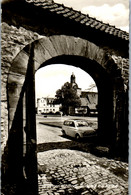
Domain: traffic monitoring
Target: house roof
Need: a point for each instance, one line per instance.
(90, 103)
(77, 16)
(84, 102)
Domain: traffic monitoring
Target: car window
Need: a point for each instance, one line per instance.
(72, 124)
(69, 123)
(82, 123)
(66, 123)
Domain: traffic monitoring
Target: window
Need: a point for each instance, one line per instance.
(72, 124)
(66, 123)
(82, 123)
(69, 123)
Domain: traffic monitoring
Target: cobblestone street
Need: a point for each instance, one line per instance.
(63, 171)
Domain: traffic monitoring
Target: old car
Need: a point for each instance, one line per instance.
(78, 129)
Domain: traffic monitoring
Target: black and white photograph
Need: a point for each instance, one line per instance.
(65, 97)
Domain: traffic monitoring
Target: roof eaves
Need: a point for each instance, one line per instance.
(103, 27)
(89, 22)
(68, 14)
(54, 6)
(56, 9)
(75, 15)
(62, 11)
(111, 32)
(107, 30)
(94, 23)
(99, 25)
(84, 20)
(79, 17)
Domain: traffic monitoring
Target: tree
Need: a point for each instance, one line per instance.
(67, 96)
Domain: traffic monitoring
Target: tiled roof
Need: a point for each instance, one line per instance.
(79, 17)
(84, 102)
(88, 101)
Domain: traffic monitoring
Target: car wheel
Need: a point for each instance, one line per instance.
(63, 132)
(88, 111)
(77, 137)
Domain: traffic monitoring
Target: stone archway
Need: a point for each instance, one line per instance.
(46, 49)
(68, 50)
(63, 47)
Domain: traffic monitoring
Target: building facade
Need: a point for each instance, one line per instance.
(46, 105)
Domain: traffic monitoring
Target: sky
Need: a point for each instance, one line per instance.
(52, 77)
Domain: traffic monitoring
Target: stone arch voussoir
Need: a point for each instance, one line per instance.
(49, 47)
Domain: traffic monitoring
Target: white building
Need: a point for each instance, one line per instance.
(46, 105)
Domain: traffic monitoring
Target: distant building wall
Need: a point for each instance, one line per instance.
(46, 105)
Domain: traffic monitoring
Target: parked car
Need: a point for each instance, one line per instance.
(77, 128)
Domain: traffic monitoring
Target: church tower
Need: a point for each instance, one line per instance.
(74, 84)
(72, 79)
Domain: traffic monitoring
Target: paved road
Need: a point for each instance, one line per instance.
(49, 137)
(47, 134)
(53, 118)
(66, 166)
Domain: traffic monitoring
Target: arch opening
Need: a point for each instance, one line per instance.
(50, 109)
(104, 83)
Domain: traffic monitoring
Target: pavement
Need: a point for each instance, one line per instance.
(65, 171)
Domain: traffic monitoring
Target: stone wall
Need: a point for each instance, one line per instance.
(15, 39)
(123, 65)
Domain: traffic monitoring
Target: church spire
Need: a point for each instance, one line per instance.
(73, 78)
